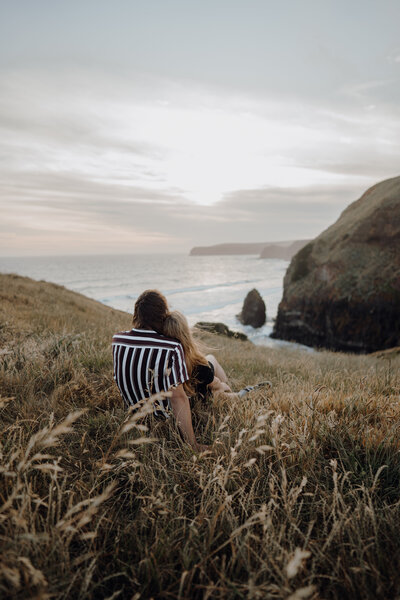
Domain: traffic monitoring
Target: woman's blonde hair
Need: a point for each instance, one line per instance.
(176, 326)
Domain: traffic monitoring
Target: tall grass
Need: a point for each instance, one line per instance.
(298, 499)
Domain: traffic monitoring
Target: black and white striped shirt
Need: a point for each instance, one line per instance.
(146, 363)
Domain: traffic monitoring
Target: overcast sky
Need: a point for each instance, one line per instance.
(147, 126)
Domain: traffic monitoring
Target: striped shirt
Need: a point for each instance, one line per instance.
(146, 363)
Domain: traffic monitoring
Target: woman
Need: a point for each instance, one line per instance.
(205, 373)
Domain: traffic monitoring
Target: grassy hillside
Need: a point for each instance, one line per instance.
(300, 498)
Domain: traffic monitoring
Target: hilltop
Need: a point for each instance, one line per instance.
(299, 497)
(31, 307)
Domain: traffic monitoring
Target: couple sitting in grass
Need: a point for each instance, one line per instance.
(159, 354)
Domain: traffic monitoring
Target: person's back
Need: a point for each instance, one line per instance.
(146, 363)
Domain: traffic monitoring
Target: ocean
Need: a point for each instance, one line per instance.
(204, 288)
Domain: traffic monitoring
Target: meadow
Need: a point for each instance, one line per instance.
(298, 499)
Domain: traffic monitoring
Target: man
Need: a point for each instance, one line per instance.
(147, 362)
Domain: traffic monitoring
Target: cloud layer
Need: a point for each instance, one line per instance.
(162, 143)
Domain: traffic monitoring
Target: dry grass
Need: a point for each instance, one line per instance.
(301, 498)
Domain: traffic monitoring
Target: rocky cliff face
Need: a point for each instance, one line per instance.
(342, 290)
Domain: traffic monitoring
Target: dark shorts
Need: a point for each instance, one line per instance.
(202, 375)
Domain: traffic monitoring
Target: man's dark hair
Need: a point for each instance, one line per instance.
(151, 310)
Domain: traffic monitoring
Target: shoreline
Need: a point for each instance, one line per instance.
(212, 290)
(261, 337)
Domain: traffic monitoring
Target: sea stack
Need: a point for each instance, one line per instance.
(342, 290)
(253, 311)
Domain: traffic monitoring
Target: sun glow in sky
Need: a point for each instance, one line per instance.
(140, 127)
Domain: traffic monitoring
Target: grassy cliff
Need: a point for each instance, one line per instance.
(342, 290)
(300, 499)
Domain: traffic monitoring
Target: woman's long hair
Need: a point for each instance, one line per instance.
(176, 326)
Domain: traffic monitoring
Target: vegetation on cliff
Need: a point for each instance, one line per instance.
(342, 290)
(300, 499)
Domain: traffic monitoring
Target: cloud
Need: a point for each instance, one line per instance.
(142, 168)
(394, 57)
(98, 223)
(362, 89)
(311, 208)
(50, 188)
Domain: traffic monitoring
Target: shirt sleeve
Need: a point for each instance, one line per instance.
(179, 373)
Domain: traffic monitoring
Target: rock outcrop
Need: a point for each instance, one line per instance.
(253, 311)
(220, 329)
(342, 290)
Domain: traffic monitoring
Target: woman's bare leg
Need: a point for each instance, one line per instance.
(218, 386)
(222, 389)
(218, 370)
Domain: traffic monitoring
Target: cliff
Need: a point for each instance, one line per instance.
(221, 249)
(342, 290)
(283, 250)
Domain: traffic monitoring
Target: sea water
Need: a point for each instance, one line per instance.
(204, 288)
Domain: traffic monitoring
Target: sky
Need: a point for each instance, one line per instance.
(156, 126)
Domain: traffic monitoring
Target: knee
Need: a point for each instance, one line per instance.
(215, 384)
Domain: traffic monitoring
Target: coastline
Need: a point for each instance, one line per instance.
(203, 288)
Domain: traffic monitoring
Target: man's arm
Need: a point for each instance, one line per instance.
(183, 415)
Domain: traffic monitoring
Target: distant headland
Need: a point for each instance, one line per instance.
(283, 250)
